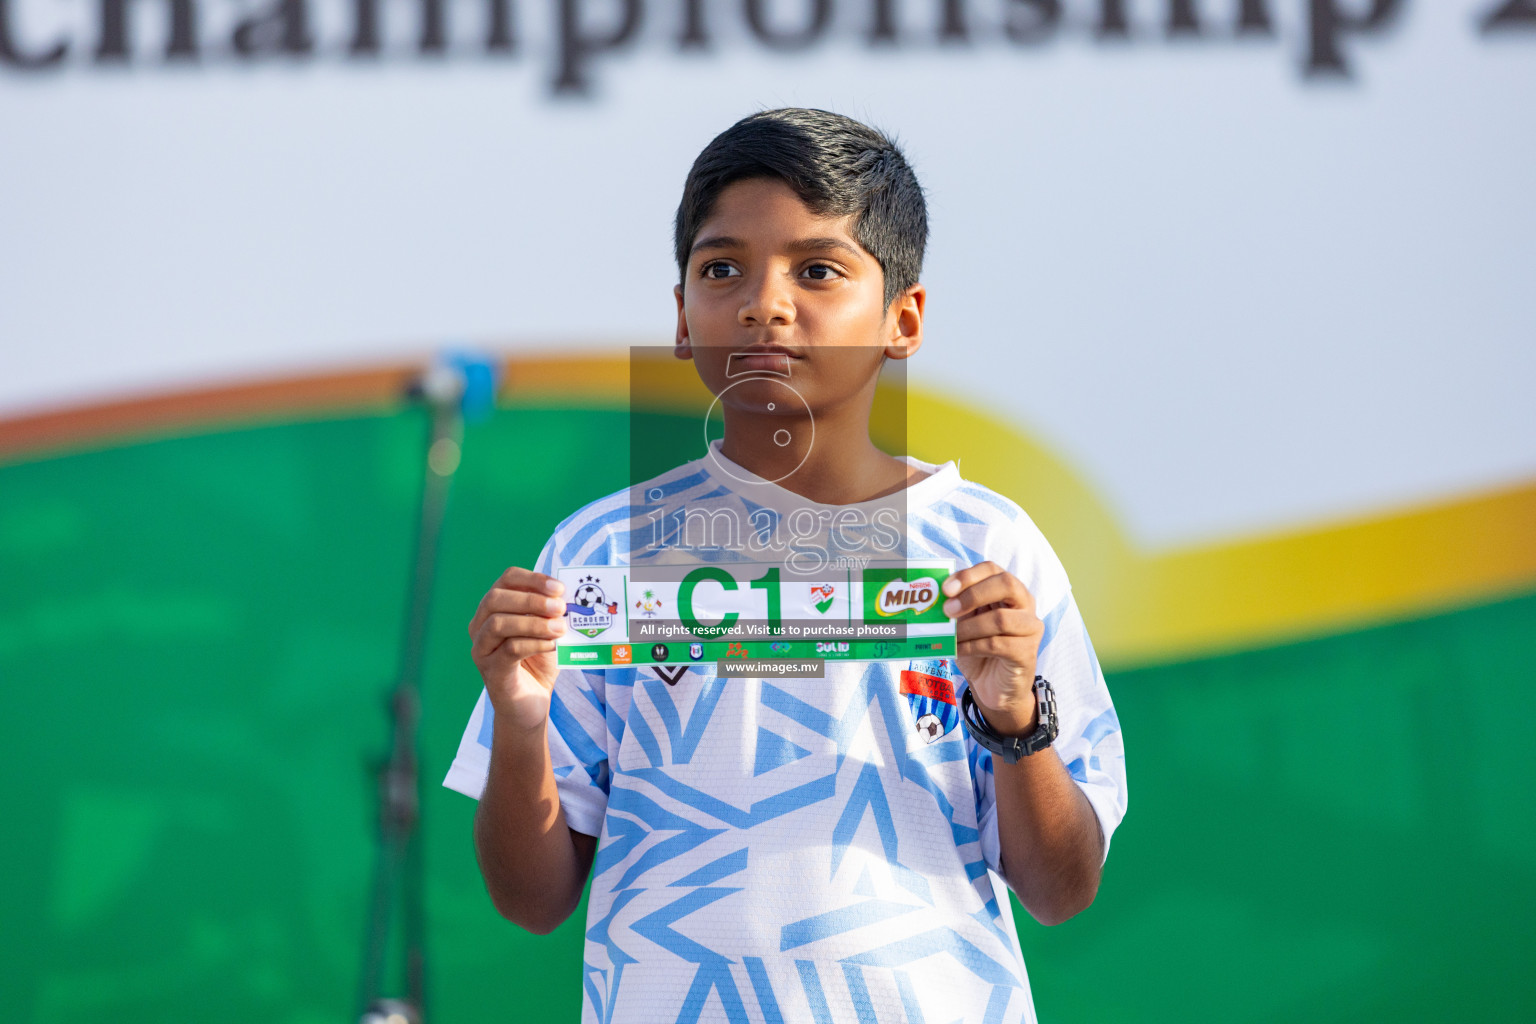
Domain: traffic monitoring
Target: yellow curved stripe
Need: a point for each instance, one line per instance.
(1143, 606)
(1167, 605)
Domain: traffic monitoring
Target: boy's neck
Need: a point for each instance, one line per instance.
(841, 466)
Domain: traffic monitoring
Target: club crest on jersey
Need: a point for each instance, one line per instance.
(589, 609)
(899, 596)
(930, 689)
(822, 595)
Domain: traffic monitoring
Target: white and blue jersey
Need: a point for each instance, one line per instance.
(803, 849)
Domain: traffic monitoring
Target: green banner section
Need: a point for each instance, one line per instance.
(197, 635)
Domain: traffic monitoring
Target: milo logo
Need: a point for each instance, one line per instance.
(898, 596)
(909, 594)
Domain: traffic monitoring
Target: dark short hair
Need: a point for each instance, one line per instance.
(836, 165)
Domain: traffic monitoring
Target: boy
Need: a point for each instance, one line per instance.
(798, 849)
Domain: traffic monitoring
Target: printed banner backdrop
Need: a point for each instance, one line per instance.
(1231, 296)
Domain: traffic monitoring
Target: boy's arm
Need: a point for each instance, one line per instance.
(1050, 840)
(534, 865)
(1051, 844)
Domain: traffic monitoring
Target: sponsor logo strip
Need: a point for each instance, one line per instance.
(908, 649)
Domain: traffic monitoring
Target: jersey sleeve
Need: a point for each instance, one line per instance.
(577, 734)
(1088, 740)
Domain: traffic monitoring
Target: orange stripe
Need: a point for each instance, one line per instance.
(596, 377)
(83, 426)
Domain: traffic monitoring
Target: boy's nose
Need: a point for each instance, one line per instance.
(767, 304)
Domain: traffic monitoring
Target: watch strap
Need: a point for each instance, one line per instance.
(1011, 748)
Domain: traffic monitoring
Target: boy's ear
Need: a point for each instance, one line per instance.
(905, 323)
(681, 346)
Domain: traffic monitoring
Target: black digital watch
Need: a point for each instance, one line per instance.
(1011, 748)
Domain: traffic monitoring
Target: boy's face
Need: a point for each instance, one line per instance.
(794, 290)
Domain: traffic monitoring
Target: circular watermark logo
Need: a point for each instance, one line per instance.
(782, 437)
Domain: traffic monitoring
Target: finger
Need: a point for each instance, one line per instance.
(1000, 589)
(966, 577)
(513, 652)
(521, 602)
(517, 578)
(999, 622)
(513, 648)
(502, 626)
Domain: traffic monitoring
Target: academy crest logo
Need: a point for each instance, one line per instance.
(589, 609)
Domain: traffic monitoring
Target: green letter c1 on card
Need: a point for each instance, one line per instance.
(904, 595)
(685, 600)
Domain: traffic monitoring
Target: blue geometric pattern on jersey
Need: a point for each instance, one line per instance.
(955, 514)
(876, 688)
(836, 922)
(943, 542)
(859, 991)
(810, 980)
(654, 818)
(590, 754)
(908, 998)
(589, 530)
(487, 726)
(657, 925)
(1093, 659)
(763, 810)
(774, 751)
(1102, 726)
(715, 870)
(678, 486)
(684, 740)
(997, 501)
(1052, 620)
(600, 933)
(1106, 724)
(938, 940)
(997, 1005)
(869, 794)
(764, 520)
(716, 975)
(763, 988)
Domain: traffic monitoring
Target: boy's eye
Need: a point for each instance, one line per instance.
(720, 270)
(820, 272)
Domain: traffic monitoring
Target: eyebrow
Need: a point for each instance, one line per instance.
(825, 244)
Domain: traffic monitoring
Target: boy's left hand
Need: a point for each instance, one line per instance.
(997, 636)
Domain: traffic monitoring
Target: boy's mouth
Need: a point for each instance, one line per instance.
(771, 359)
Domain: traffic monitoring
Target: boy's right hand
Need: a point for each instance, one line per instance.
(513, 644)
